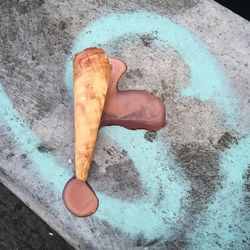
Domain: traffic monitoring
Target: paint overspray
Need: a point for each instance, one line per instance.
(207, 83)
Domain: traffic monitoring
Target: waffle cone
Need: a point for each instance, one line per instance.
(91, 76)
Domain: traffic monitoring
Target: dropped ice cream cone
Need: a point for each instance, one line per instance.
(131, 109)
(91, 76)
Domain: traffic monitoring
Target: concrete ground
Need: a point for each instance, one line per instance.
(186, 186)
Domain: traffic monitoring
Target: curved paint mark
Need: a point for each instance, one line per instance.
(165, 211)
(226, 221)
(153, 170)
(156, 212)
(29, 142)
(207, 83)
(207, 79)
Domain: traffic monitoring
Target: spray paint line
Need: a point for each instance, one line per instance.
(133, 219)
(226, 221)
(233, 164)
(152, 169)
(29, 142)
(207, 79)
(26, 138)
(207, 82)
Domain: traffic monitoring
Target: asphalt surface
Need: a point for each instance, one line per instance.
(22, 229)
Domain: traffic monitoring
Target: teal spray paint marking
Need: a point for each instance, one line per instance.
(156, 212)
(45, 163)
(153, 170)
(141, 211)
(207, 80)
(227, 219)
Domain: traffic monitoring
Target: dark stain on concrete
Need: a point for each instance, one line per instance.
(44, 105)
(26, 6)
(23, 156)
(123, 176)
(32, 89)
(147, 40)
(175, 244)
(150, 136)
(63, 92)
(143, 242)
(226, 140)
(42, 109)
(132, 74)
(154, 92)
(62, 25)
(138, 73)
(45, 148)
(246, 178)
(124, 152)
(168, 91)
(41, 76)
(55, 34)
(201, 167)
(109, 152)
(9, 156)
(113, 152)
(167, 7)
